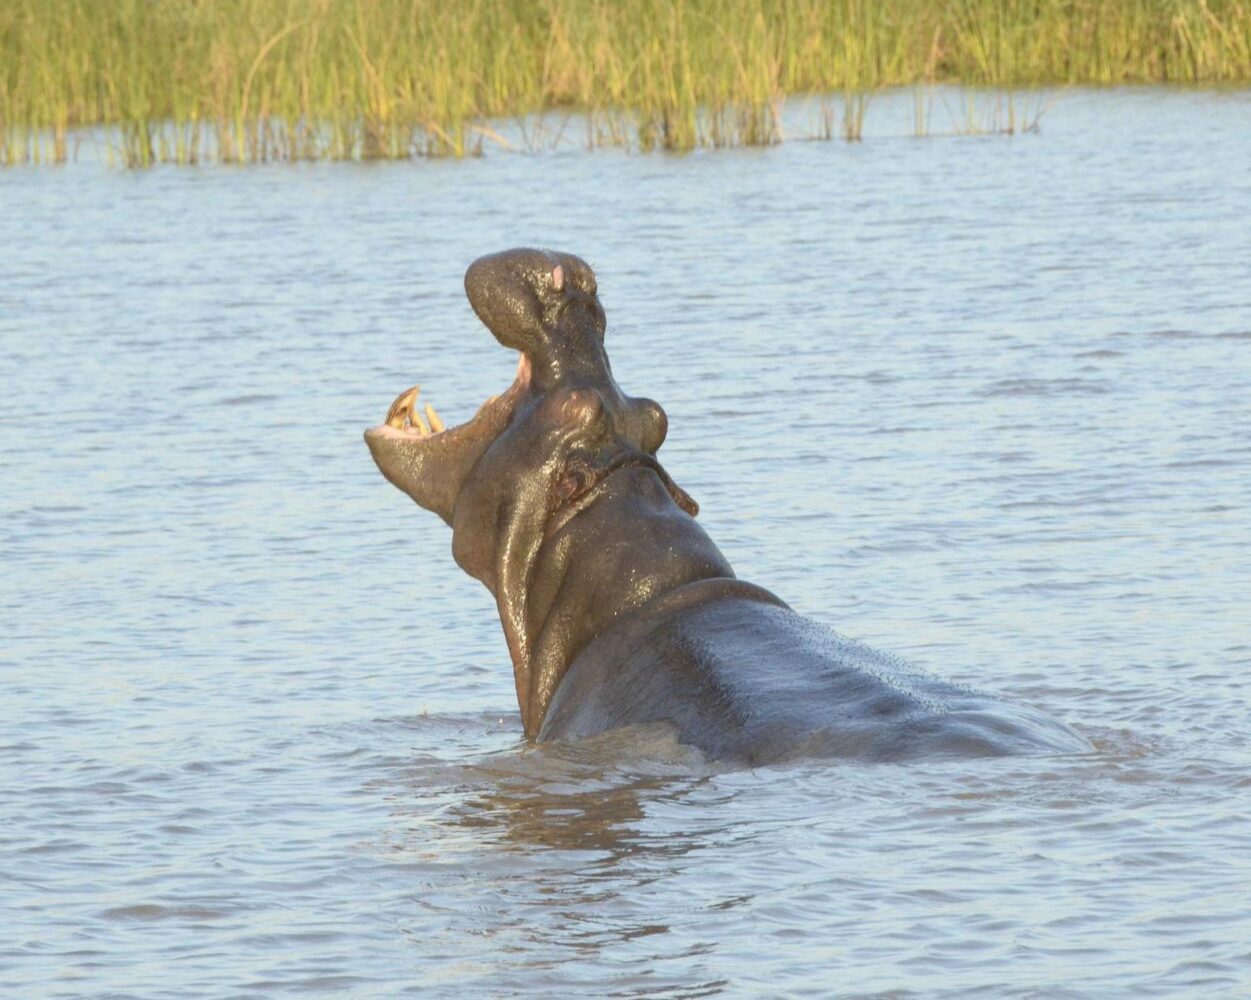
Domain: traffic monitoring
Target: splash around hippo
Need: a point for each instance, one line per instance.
(616, 606)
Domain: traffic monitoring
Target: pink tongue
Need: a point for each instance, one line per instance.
(558, 277)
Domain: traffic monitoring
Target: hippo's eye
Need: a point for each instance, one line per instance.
(558, 277)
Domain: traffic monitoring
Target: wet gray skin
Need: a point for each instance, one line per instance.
(616, 606)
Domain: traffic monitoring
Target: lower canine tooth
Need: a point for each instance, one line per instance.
(419, 424)
(434, 419)
(402, 407)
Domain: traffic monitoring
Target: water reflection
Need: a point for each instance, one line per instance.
(554, 855)
(593, 795)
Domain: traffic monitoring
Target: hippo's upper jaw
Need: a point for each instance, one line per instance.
(544, 304)
(522, 481)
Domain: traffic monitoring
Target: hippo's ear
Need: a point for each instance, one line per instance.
(501, 289)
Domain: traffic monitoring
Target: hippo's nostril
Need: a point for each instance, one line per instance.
(558, 278)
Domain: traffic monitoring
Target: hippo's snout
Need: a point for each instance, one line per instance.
(511, 292)
(544, 304)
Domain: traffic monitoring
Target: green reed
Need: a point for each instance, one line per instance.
(252, 80)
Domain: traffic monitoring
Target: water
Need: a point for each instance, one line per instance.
(982, 402)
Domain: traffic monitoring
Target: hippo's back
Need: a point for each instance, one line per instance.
(745, 678)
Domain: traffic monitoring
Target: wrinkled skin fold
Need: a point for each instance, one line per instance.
(616, 606)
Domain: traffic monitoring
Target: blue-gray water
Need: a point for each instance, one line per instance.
(983, 402)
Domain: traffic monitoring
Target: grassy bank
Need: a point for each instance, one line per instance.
(250, 80)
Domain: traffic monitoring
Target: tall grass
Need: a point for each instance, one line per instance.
(252, 80)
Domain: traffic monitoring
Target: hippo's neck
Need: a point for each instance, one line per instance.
(634, 546)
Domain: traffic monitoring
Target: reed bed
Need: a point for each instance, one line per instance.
(236, 81)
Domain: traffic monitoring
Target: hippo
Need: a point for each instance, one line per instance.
(617, 608)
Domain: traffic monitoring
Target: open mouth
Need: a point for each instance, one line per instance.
(410, 419)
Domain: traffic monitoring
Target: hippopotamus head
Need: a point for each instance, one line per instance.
(553, 491)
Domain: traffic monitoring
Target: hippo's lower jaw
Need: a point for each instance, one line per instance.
(430, 461)
(616, 606)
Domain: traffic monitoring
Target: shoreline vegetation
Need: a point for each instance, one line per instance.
(242, 81)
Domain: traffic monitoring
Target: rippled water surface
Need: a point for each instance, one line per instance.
(982, 402)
